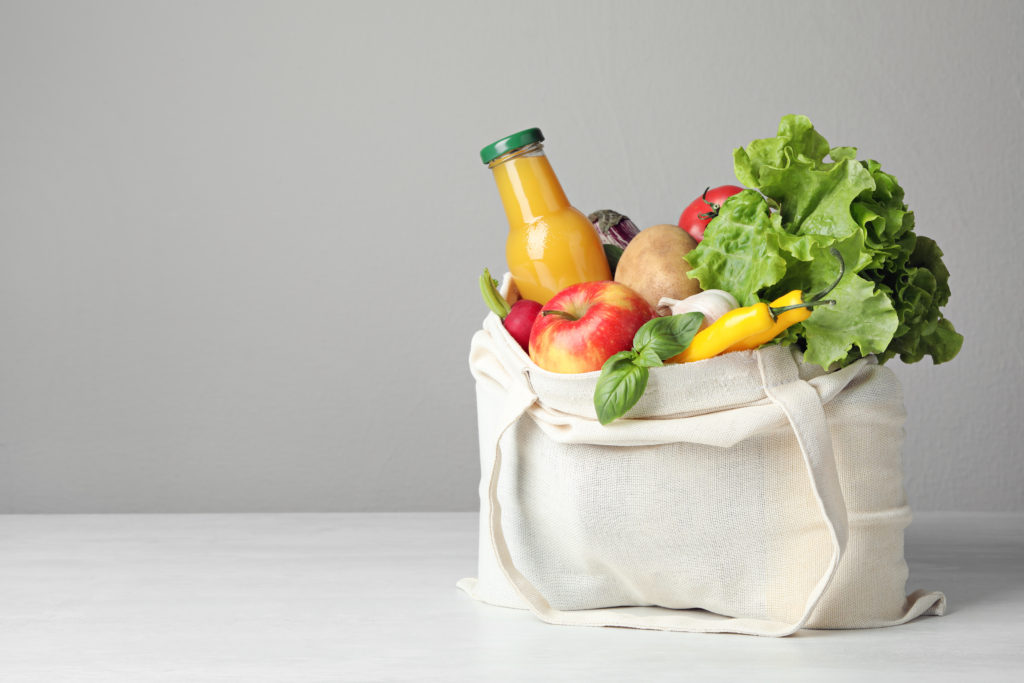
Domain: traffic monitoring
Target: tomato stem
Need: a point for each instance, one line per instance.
(714, 207)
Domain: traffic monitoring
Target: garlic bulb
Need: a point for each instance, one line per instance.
(713, 303)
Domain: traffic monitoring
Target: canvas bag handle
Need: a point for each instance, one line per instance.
(803, 409)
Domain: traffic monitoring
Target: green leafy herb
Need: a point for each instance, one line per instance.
(624, 376)
(647, 357)
(888, 304)
(667, 336)
(620, 386)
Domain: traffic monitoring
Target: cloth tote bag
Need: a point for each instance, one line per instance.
(750, 493)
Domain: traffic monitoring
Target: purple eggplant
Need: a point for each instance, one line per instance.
(613, 228)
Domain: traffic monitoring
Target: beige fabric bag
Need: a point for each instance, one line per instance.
(756, 488)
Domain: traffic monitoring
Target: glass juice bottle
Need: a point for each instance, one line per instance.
(550, 245)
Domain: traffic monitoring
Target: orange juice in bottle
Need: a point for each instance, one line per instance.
(550, 245)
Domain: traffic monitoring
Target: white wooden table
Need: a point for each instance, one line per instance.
(372, 597)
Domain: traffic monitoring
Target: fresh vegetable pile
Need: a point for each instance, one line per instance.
(758, 247)
(816, 253)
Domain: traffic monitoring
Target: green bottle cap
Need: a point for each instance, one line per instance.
(514, 141)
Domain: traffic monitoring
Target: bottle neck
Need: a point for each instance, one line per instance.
(527, 184)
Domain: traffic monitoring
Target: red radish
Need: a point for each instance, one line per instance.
(519, 321)
(517, 318)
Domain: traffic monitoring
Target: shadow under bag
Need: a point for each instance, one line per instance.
(750, 493)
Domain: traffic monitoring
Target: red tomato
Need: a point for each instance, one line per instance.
(701, 210)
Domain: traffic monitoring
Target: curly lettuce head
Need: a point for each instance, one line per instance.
(888, 302)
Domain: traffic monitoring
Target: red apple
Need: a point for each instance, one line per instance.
(585, 324)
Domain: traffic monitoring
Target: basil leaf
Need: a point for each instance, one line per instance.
(685, 327)
(648, 357)
(620, 386)
(666, 336)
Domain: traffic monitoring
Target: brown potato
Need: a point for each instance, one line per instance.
(653, 264)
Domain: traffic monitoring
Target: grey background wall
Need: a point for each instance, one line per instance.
(239, 241)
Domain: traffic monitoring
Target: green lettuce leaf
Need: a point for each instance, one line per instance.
(862, 317)
(740, 251)
(919, 290)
